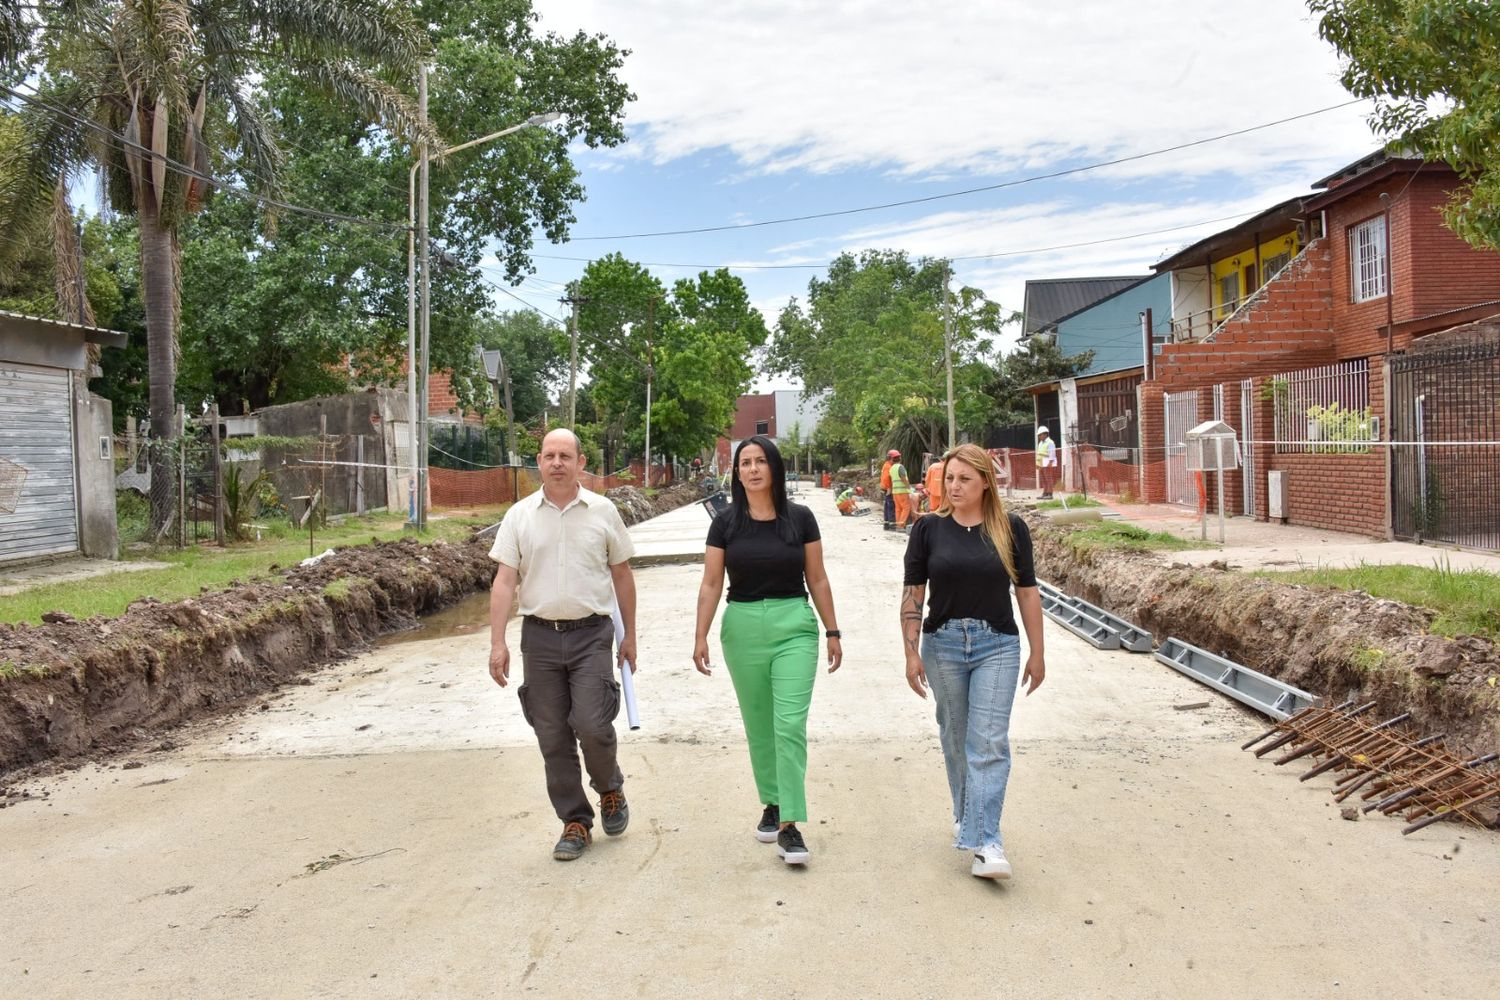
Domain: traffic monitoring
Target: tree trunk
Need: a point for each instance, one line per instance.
(159, 289)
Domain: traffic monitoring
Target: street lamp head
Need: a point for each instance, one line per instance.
(544, 118)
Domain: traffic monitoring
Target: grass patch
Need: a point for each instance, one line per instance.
(1466, 601)
(1071, 503)
(1117, 535)
(205, 566)
(339, 589)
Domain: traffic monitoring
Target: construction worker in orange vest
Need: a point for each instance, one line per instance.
(885, 485)
(934, 484)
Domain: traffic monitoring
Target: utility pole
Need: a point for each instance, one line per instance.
(425, 330)
(650, 373)
(948, 355)
(575, 301)
(510, 413)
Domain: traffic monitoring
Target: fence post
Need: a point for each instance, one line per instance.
(181, 483)
(213, 417)
(359, 474)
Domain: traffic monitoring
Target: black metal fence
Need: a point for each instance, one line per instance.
(1444, 428)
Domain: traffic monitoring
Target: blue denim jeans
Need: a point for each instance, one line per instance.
(973, 672)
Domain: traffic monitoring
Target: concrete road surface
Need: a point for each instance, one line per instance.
(385, 833)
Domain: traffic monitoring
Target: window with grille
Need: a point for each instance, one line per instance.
(1275, 265)
(1368, 267)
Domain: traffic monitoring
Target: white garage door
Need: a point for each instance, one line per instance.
(36, 476)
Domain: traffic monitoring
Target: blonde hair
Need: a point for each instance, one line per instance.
(996, 520)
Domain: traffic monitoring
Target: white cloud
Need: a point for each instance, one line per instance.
(971, 87)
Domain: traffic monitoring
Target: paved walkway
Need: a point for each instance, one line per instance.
(1252, 545)
(15, 579)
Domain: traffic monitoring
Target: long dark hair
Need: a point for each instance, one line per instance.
(739, 512)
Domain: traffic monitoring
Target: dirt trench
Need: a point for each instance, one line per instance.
(1338, 644)
(78, 689)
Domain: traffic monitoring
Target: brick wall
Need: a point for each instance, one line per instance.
(1288, 325)
(751, 409)
(1432, 270)
(1337, 492)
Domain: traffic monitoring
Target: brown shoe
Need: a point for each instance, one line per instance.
(575, 837)
(614, 812)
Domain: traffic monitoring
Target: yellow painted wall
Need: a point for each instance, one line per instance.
(1226, 266)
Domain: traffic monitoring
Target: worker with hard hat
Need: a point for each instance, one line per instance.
(1046, 461)
(901, 491)
(885, 486)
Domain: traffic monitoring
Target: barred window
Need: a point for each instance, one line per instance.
(1368, 261)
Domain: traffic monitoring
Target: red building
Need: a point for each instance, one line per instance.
(1319, 367)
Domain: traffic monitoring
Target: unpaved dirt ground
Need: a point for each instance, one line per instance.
(384, 832)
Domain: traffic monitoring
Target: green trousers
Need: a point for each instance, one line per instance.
(771, 649)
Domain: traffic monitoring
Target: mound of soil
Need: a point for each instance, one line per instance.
(1338, 644)
(87, 687)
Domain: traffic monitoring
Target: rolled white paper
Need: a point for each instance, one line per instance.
(627, 682)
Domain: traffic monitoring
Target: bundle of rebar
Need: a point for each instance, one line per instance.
(1394, 769)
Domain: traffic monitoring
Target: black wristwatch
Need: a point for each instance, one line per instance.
(834, 633)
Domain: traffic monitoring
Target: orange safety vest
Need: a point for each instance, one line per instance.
(885, 476)
(935, 485)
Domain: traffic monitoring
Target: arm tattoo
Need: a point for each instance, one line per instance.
(911, 617)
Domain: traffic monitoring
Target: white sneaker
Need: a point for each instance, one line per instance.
(990, 863)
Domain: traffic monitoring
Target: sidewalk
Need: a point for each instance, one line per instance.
(674, 537)
(1255, 545)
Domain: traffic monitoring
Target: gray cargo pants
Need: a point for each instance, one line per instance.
(570, 697)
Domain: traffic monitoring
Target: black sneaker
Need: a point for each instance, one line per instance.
(770, 822)
(575, 838)
(791, 847)
(614, 812)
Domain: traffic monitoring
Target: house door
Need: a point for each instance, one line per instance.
(1181, 417)
(38, 498)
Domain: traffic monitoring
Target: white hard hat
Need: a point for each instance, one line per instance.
(1042, 430)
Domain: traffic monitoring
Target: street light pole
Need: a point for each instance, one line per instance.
(948, 357)
(412, 401)
(417, 232)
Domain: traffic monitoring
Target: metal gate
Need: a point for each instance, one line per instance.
(1247, 452)
(1444, 419)
(39, 515)
(1181, 417)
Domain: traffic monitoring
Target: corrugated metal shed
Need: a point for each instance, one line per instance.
(1050, 299)
(36, 436)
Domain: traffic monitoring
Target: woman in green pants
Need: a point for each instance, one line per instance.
(774, 556)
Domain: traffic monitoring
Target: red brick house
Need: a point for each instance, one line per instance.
(1298, 362)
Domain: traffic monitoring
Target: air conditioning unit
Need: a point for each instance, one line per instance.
(1276, 495)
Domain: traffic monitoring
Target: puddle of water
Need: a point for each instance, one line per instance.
(468, 616)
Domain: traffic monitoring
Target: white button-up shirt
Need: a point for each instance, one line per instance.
(563, 554)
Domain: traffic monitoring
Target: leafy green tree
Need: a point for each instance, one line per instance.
(1033, 361)
(695, 345)
(147, 92)
(536, 357)
(1430, 68)
(872, 333)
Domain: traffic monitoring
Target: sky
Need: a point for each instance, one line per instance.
(757, 110)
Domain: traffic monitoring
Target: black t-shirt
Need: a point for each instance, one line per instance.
(963, 573)
(759, 563)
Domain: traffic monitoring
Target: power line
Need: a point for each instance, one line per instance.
(981, 256)
(974, 190)
(121, 143)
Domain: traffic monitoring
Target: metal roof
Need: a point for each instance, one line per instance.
(1050, 299)
(91, 334)
(1237, 238)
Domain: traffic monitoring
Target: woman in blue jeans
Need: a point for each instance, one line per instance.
(963, 559)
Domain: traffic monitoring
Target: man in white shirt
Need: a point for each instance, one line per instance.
(1046, 462)
(567, 552)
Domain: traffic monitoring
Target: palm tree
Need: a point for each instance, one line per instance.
(148, 92)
